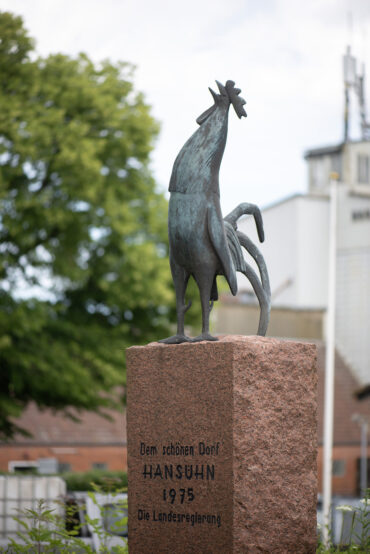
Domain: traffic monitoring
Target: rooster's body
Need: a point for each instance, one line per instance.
(202, 244)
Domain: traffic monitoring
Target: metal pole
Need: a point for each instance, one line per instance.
(363, 423)
(329, 362)
(363, 457)
(346, 112)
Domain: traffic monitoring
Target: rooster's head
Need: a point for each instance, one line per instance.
(228, 95)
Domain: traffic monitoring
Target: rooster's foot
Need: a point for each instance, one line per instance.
(176, 339)
(204, 336)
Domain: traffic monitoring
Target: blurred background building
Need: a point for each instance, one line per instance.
(57, 444)
(296, 252)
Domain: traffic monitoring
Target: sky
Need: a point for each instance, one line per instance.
(285, 55)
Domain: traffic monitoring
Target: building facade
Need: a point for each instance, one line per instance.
(57, 443)
(296, 251)
(298, 262)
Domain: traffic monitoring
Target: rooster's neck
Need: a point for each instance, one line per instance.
(196, 168)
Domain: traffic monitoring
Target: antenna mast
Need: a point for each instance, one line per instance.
(355, 81)
(365, 126)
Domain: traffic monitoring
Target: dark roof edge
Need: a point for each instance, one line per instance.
(294, 196)
(331, 149)
(363, 392)
(322, 151)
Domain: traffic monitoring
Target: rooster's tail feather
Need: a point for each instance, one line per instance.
(261, 285)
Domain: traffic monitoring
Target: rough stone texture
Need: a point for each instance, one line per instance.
(254, 396)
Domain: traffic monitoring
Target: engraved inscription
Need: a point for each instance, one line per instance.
(178, 449)
(175, 497)
(173, 517)
(208, 450)
(187, 471)
(184, 494)
(146, 450)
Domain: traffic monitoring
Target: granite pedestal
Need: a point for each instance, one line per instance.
(222, 442)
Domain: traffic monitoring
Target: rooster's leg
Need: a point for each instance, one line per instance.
(205, 285)
(180, 279)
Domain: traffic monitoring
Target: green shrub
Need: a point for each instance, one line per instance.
(106, 481)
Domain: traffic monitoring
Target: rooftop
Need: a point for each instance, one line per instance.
(52, 428)
(323, 151)
(330, 149)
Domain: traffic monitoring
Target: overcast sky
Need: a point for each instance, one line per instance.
(285, 55)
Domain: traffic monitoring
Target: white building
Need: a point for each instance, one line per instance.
(296, 247)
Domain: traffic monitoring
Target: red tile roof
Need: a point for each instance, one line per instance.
(48, 427)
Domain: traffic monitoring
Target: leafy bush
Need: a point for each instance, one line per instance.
(106, 481)
(83, 222)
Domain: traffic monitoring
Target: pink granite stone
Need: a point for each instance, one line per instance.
(222, 447)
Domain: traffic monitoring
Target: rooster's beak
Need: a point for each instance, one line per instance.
(221, 88)
(214, 95)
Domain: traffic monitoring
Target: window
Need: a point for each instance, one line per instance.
(99, 465)
(358, 474)
(64, 466)
(339, 468)
(318, 172)
(22, 466)
(336, 164)
(363, 169)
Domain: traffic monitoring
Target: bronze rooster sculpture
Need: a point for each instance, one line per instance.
(202, 243)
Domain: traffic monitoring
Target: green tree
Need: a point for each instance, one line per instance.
(83, 231)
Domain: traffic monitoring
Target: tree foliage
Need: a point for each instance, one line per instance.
(83, 231)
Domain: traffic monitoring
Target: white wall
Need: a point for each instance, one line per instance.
(350, 176)
(319, 169)
(352, 232)
(353, 283)
(312, 252)
(21, 492)
(295, 251)
(279, 248)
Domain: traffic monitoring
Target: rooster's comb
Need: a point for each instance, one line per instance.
(236, 100)
(232, 94)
